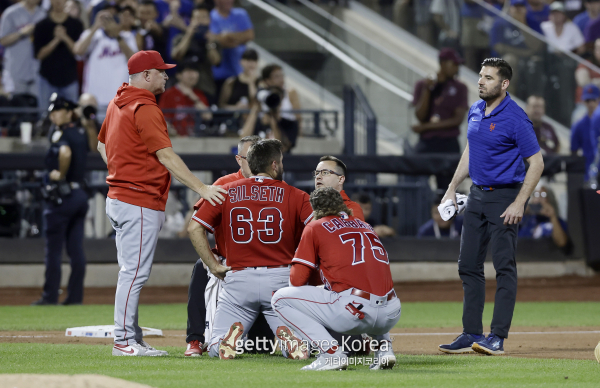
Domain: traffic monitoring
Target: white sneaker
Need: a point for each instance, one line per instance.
(384, 359)
(328, 361)
(136, 349)
(152, 349)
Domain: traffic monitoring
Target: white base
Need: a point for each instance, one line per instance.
(105, 331)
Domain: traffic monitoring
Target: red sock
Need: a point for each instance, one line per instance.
(332, 349)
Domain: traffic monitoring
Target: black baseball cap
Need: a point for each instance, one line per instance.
(57, 102)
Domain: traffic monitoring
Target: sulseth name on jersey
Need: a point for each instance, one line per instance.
(257, 193)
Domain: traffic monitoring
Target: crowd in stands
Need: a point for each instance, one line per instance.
(478, 32)
(72, 47)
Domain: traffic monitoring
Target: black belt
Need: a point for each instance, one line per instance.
(496, 187)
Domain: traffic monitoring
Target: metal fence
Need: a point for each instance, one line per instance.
(183, 121)
(404, 206)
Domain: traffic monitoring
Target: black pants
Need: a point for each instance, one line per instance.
(482, 225)
(438, 145)
(64, 226)
(197, 311)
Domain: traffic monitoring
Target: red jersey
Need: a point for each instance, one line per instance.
(219, 231)
(262, 220)
(356, 209)
(348, 254)
(173, 98)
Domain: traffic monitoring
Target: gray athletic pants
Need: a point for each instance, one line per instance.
(482, 226)
(309, 310)
(246, 293)
(137, 233)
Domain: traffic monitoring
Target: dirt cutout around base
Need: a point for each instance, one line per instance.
(65, 381)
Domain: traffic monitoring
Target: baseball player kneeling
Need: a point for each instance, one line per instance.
(358, 296)
(263, 219)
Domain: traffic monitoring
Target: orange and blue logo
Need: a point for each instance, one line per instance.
(492, 127)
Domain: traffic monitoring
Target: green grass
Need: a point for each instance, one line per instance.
(267, 371)
(174, 316)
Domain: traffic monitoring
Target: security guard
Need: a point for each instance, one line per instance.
(68, 202)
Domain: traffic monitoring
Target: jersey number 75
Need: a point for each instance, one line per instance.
(358, 239)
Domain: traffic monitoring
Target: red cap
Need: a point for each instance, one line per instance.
(146, 60)
(448, 54)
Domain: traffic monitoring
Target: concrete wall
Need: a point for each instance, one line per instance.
(105, 275)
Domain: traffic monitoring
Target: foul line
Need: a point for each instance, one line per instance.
(511, 333)
(26, 336)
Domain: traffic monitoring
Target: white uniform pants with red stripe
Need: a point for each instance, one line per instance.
(310, 310)
(137, 233)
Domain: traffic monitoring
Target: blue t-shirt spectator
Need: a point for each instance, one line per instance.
(431, 229)
(237, 21)
(581, 20)
(535, 18)
(583, 138)
(537, 226)
(505, 32)
(474, 10)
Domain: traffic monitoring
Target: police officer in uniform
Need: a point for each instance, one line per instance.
(68, 202)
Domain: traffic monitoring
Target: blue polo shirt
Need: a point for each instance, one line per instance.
(583, 138)
(498, 143)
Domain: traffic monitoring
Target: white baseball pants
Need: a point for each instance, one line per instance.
(310, 310)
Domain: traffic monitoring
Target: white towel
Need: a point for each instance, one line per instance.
(447, 209)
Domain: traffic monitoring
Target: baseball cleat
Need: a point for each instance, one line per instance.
(194, 349)
(597, 352)
(149, 348)
(228, 347)
(384, 358)
(491, 346)
(137, 349)
(329, 361)
(296, 349)
(365, 350)
(461, 344)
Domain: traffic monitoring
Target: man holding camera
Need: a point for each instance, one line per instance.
(66, 202)
(276, 104)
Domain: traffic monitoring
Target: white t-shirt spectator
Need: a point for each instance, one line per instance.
(20, 65)
(450, 10)
(105, 65)
(569, 40)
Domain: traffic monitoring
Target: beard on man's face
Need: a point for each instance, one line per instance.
(279, 175)
(491, 94)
